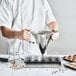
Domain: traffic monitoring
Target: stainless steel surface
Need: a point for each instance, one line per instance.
(42, 39)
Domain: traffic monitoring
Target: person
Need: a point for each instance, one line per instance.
(19, 18)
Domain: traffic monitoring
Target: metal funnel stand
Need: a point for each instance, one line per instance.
(42, 39)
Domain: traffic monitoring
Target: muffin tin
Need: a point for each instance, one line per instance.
(44, 60)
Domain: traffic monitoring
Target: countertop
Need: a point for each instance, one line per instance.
(5, 70)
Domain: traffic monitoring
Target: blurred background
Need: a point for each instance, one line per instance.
(65, 14)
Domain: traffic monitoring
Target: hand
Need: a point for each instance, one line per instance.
(24, 35)
(54, 36)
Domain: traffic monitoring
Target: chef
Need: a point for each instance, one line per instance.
(19, 18)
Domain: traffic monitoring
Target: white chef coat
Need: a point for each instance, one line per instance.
(25, 14)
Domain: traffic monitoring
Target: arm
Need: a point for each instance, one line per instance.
(12, 34)
(6, 18)
(53, 26)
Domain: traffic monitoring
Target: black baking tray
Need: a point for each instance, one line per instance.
(45, 60)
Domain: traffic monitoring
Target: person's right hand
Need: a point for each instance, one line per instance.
(24, 35)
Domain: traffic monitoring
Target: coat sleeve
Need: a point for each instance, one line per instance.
(48, 13)
(6, 15)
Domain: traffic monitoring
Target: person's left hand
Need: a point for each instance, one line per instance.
(54, 36)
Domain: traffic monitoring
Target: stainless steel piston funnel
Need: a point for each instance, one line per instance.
(42, 39)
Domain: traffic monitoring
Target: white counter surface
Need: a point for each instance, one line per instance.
(5, 70)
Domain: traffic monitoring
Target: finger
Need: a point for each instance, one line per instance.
(53, 37)
(26, 35)
(27, 31)
(26, 38)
